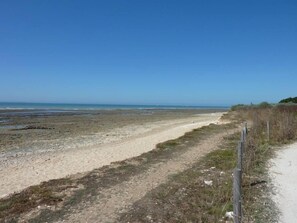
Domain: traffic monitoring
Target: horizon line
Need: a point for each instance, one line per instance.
(117, 104)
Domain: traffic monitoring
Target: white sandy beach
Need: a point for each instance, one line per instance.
(283, 172)
(19, 172)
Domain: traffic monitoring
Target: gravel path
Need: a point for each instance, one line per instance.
(283, 172)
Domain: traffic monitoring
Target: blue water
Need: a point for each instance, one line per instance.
(52, 106)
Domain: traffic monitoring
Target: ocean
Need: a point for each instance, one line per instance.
(71, 107)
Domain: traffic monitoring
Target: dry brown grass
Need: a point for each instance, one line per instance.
(258, 150)
(282, 129)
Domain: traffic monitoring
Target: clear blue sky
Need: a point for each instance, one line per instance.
(148, 52)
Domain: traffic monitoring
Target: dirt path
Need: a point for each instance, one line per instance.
(118, 199)
(283, 172)
(18, 173)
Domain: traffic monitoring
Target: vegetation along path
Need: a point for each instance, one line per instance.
(117, 199)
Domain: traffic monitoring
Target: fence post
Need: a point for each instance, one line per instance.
(237, 178)
(268, 131)
(237, 195)
(239, 155)
(242, 137)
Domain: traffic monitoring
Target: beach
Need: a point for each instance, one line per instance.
(39, 146)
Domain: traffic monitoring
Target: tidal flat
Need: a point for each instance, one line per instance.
(25, 131)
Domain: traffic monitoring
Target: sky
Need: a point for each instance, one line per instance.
(167, 52)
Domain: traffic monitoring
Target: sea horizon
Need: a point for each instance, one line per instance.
(91, 106)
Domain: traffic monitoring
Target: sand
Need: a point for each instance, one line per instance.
(283, 173)
(20, 170)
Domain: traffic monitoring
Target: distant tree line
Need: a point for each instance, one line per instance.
(265, 104)
(289, 100)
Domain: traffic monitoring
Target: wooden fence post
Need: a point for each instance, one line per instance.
(237, 177)
(268, 131)
(239, 155)
(242, 139)
(237, 195)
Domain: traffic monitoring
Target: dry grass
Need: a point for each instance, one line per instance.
(49, 193)
(282, 129)
(259, 149)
